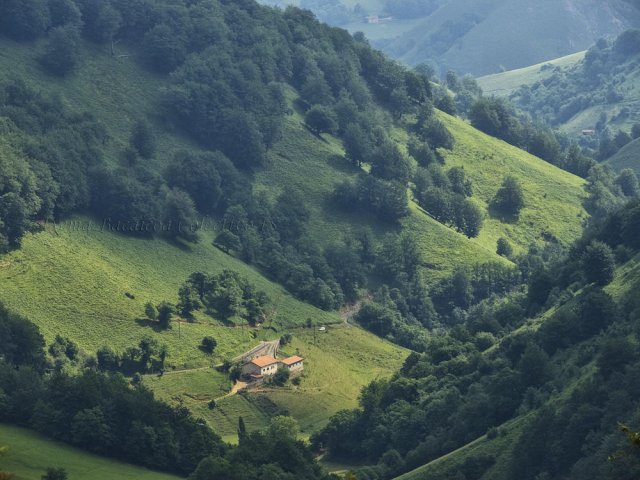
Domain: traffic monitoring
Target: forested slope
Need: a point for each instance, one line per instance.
(178, 171)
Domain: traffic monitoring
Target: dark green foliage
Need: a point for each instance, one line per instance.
(164, 48)
(101, 20)
(444, 197)
(357, 144)
(320, 119)
(150, 311)
(64, 12)
(126, 204)
(208, 345)
(45, 175)
(188, 301)
(227, 294)
(628, 182)
(445, 102)
(97, 412)
(509, 198)
(492, 117)
(376, 318)
(24, 19)
(421, 152)
(180, 216)
(198, 176)
(504, 248)
(387, 200)
(143, 139)
(62, 52)
(55, 474)
(228, 241)
(63, 347)
(628, 43)
(598, 263)
(435, 133)
(280, 378)
(165, 315)
(21, 344)
(388, 163)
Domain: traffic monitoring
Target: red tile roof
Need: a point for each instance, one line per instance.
(292, 360)
(264, 361)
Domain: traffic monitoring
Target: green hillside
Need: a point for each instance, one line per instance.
(29, 455)
(90, 285)
(71, 279)
(591, 90)
(504, 84)
(477, 37)
(627, 157)
(553, 197)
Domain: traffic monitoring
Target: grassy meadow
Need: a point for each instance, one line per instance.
(80, 281)
(30, 454)
(504, 84)
(338, 363)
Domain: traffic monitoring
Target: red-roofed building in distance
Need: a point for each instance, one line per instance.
(260, 367)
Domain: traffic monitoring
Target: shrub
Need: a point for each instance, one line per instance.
(504, 248)
(208, 344)
(62, 52)
(510, 198)
(320, 119)
(142, 139)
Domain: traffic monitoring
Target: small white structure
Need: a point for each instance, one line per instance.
(294, 364)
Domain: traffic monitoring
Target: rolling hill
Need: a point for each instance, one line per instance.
(627, 157)
(89, 284)
(479, 37)
(29, 455)
(500, 445)
(504, 84)
(585, 91)
(72, 278)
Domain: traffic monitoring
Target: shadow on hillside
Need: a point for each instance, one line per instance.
(503, 217)
(179, 244)
(145, 322)
(342, 164)
(317, 135)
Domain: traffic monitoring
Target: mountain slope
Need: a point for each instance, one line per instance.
(583, 92)
(480, 37)
(29, 456)
(627, 157)
(492, 35)
(504, 84)
(77, 280)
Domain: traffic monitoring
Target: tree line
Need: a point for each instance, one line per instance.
(105, 414)
(452, 392)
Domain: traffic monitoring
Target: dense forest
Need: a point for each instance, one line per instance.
(493, 365)
(234, 72)
(104, 414)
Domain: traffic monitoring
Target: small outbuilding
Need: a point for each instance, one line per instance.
(294, 364)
